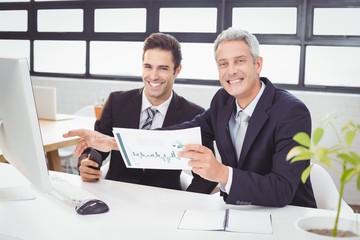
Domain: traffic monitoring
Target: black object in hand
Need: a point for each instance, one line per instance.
(95, 156)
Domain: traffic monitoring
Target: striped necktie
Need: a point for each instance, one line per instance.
(151, 113)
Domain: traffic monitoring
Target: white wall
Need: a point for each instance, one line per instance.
(74, 93)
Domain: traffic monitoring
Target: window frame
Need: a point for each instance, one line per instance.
(304, 31)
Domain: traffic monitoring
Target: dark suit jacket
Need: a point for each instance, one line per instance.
(262, 176)
(122, 109)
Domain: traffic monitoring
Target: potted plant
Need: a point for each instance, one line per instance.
(98, 107)
(340, 154)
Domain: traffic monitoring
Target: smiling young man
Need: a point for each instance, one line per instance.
(161, 64)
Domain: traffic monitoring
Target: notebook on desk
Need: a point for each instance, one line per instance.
(46, 104)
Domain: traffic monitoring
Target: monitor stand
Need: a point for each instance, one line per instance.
(15, 194)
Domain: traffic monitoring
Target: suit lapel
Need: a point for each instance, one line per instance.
(224, 131)
(257, 120)
(174, 112)
(132, 110)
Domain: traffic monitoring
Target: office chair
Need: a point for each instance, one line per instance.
(325, 191)
(69, 165)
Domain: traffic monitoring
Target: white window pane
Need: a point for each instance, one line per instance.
(15, 49)
(336, 21)
(332, 66)
(120, 20)
(265, 20)
(280, 63)
(13, 20)
(60, 20)
(59, 56)
(198, 61)
(116, 58)
(14, 0)
(188, 19)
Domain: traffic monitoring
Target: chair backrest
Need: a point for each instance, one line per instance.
(325, 191)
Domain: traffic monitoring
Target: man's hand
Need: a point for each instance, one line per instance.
(87, 173)
(204, 163)
(89, 138)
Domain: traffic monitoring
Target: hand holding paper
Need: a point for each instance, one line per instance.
(155, 148)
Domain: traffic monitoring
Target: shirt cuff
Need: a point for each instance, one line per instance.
(226, 188)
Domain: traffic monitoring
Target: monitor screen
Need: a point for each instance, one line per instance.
(20, 136)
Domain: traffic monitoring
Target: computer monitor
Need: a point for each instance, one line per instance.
(20, 136)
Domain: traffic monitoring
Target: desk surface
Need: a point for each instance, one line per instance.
(52, 131)
(136, 212)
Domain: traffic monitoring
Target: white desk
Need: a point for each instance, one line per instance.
(136, 212)
(52, 131)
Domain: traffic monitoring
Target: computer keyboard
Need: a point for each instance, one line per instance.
(68, 193)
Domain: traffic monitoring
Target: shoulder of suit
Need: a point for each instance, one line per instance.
(281, 96)
(127, 93)
(184, 103)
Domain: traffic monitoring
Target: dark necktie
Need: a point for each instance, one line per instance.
(151, 113)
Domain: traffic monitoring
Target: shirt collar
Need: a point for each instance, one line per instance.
(162, 108)
(251, 107)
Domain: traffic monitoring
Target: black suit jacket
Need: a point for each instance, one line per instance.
(261, 175)
(122, 109)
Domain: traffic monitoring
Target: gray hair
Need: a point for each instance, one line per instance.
(233, 34)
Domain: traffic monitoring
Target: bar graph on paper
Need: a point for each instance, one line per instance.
(155, 149)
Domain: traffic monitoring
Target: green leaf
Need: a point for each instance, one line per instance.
(358, 182)
(302, 138)
(306, 173)
(322, 155)
(302, 157)
(349, 137)
(317, 135)
(347, 175)
(347, 158)
(355, 157)
(298, 153)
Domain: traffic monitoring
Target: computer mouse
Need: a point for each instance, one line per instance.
(92, 206)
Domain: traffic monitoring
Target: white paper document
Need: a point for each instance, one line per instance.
(156, 149)
(227, 220)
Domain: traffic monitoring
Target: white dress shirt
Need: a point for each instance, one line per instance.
(233, 127)
(159, 116)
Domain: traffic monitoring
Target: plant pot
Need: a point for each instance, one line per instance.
(303, 226)
(98, 110)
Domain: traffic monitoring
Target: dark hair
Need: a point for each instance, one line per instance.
(164, 42)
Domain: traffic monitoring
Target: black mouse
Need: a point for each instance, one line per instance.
(92, 206)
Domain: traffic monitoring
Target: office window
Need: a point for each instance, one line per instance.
(332, 66)
(198, 61)
(64, 20)
(126, 20)
(337, 21)
(291, 33)
(15, 49)
(59, 56)
(116, 58)
(265, 20)
(14, 1)
(13, 20)
(188, 20)
(280, 63)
